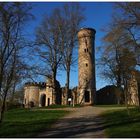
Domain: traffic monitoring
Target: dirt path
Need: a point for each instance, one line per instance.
(84, 122)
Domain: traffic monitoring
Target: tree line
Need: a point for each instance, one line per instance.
(121, 46)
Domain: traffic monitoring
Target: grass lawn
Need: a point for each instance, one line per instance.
(28, 123)
(121, 125)
(108, 106)
(59, 106)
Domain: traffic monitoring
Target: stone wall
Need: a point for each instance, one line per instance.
(133, 98)
(31, 95)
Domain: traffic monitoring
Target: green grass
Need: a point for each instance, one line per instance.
(113, 105)
(28, 123)
(121, 125)
(59, 106)
(56, 106)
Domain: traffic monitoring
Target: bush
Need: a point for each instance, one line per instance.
(13, 105)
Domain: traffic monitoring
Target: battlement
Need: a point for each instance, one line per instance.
(39, 84)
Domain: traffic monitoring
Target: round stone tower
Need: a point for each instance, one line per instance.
(31, 94)
(86, 66)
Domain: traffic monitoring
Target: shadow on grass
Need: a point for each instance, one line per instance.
(119, 124)
(76, 128)
(94, 127)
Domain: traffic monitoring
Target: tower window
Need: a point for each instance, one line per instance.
(86, 64)
(86, 50)
(86, 42)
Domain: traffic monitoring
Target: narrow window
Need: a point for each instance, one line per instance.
(85, 50)
(86, 42)
(86, 64)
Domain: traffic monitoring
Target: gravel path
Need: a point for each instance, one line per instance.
(84, 122)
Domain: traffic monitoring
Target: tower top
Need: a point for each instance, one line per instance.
(88, 29)
(85, 32)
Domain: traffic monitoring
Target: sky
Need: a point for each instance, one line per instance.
(98, 16)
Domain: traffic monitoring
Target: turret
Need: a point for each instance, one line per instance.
(31, 94)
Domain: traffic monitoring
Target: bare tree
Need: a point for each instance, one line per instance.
(49, 46)
(12, 17)
(56, 41)
(72, 17)
(129, 20)
(117, 63)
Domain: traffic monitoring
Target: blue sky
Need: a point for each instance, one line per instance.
(98, 15)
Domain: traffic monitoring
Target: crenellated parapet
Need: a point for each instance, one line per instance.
(38, 84)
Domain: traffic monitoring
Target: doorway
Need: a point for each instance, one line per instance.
(48, 101)
(87, 96)
(43, 100)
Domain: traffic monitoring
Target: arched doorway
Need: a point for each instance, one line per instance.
(48, 101)
(87, 96)
(43, 100)
(31, 104)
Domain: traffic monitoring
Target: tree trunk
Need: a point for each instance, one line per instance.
(67, 84)
(2, 109)
(13, 92)
(126, 96)
(2, 113)
(54, 87)
(73, 98)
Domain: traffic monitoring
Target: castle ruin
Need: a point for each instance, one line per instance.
(41, 94)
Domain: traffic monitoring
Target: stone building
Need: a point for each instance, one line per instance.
(109, 94)
(86, 66)
(40, 94)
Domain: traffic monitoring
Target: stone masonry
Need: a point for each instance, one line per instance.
(86, 66)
